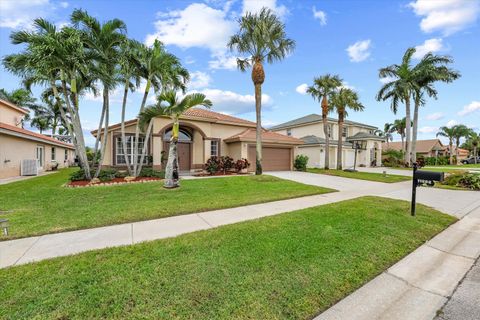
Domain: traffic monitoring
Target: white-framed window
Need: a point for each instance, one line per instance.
(214, 148)
(40, 154)
(66, 155)
(289, 132)
(344, 132)
(54, 157)
(329, 130)
(120, 154)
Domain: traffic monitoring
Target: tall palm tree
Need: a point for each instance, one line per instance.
(431, 68)
(55, 58)
(449, 133)
(322, 90)
(474, 139)
(460, 131)
(162, 71)
(263, 39)
(399, 126)
(400, 89)
(168, 104)
(341, 100)
(103, 41)
(388, 130)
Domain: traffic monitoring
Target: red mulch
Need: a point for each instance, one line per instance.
(219, 174)
(83, 183)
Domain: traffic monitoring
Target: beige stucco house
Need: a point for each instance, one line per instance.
(310, 130)
(204, 133)
(18, 144)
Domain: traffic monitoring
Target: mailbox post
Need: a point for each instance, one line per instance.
(422, 177)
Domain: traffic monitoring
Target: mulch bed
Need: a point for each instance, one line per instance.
(116, 181)
(206, 174)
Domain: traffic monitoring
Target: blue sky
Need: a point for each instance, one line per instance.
(350, 38)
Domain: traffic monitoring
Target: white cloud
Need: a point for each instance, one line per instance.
(435, 116)
(346, 85)
(302, 89)
(268, 123)
(255, 6)
(223, 60)
(198, 25)
(230, 102)
(359, 51)
(430, 45)
(446, 16)
(470, 108)
(199, 80)
(428, 129)
(64, 4)
(15, 14)
(451, 123)
(320, 15)
(387, 80)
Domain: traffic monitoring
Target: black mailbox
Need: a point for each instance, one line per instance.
(428, 175)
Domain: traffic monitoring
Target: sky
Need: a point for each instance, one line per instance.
(353, 39)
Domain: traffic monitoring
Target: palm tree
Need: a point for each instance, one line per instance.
(450, 134)
(399, 126)
(388, 130)
(474, 139)
(431, 68)
(400, 89)
(341, 100)
(322, 90)
(55, 58)
(460, 131)
(164, 72)
(168, 104)
(103, 41)
(262, 38)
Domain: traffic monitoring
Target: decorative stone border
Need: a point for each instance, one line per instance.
(107, 184)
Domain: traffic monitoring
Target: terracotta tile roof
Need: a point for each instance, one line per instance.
(13, 106)
(208, 114)
(34, 135)
(267, 136)
(423, 146)
(196, 113)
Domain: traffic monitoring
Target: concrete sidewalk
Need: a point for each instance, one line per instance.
(16, 252)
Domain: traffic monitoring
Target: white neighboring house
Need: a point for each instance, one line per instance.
(310, 129)
(18, 144)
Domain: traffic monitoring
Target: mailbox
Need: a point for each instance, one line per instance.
(428, 175)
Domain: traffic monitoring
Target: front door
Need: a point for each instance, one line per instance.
(184, 157)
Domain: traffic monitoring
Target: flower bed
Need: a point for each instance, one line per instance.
(115, 181)
(220, 173)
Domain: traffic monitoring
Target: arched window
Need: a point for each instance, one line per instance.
(183, 135)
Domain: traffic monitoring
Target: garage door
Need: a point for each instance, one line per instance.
(274, 158)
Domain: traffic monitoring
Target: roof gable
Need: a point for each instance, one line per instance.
(313, 118)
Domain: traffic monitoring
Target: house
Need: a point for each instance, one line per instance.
(425, 148)
(17, 144)
(203, 133)
(355, 135)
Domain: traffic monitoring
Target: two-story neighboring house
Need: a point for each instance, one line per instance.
(18, 144)
(310, 130)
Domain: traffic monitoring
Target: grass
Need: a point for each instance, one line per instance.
(289, 266)
(370, 176)
(41, 205)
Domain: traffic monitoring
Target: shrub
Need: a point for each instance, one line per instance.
(470, 181)
(212, 165)
(452, 179)
(226, 163)
(300, 163)
(121, 174)
(219, 164)
(77, 175)
(440, 161)
(150, 173)
(107, 175)
(241, 164)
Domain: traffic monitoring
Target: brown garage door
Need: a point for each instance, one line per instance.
(274, 158)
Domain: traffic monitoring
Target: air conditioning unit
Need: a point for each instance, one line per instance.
(29, 167)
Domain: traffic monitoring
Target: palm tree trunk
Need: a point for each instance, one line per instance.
(122, 125)
(171, 170)
(258, 110)
(99, 131)
(451, 151)
(145, 147)
(402, 136)
(106, 103)
(77, 127)
(408, 125)
(456, 150)
(340, 140)
(415, 130)
(475, 154)
(137, 129)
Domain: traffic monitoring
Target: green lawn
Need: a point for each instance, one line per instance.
(289, 266)
(453, 169)
(371, 176)
(41, 205)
